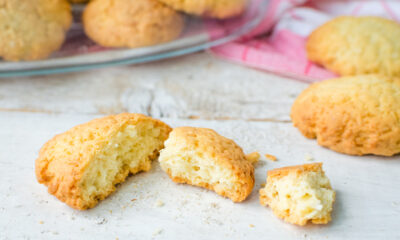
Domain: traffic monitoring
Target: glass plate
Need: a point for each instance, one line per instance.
(79, 53)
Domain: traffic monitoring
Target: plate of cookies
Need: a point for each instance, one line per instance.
(46, 37)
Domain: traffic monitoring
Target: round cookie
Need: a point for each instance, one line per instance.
(221, 9)
(353, 115)
(32, 30)
(357, 45)
(131, 23)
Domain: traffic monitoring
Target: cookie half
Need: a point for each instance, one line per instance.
(299, 194)
(353, 115)
(83, 165)
(357, 45)
(33, 29)
(202, 157)
(221, 9)
(131, 23)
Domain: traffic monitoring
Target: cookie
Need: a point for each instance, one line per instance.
(357, 45)
(353, 115)
(83, 165)
(221, 9)
(202, 157)
(131, 23)
(299, 194)
(32, 30)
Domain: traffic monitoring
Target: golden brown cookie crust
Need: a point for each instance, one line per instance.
(298, 169)
(209, 8)
(63, 160)
(353, 115)
(224, 152)
(357, 45)
(131, 23)
(32, 30)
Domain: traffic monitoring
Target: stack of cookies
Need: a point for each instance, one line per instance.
(34, 29)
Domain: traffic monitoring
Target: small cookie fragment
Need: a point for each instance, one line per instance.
(354, 115)
(83, 165)
(202, 157)
(253, 157)
(270, 157)
(299, 194)
(32, 29)
(357, 45)
(221, 9)
(131, 23)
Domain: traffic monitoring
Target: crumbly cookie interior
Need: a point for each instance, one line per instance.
(301, 197)
(197, 168)
(129, 151)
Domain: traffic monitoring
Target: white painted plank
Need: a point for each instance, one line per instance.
(367, 207)
(198, 85)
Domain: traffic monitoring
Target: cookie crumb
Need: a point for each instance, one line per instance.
(159, 203)
(271, 157)
(133, 199)
(251, 225)
(253, 157)
(308, 157)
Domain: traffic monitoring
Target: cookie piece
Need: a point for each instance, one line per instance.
(353, 115)
(131, 23)
(202, 157)
(32, 30)
(357, 45)
(299, 194)
(83, 165)
(221, 9)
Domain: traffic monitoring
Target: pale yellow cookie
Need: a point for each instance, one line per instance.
(299, 194)
(131, 23)
(32, 29)
(83, 165)
(209, 8)
(353, 115)
(202, 157)
(357, 45)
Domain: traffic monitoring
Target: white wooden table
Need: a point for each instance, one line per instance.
(246, 105)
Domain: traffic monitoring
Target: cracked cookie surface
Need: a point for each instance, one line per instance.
(131, 23)
(357, 45)
(354, 115)
(32, 30)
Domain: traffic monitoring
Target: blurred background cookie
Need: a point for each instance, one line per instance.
(209, 8)
(357, 45)
(131, 23)
(32, 30)
(353, 115)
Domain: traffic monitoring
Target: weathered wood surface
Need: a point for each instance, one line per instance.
(179, 90)
(199, 86)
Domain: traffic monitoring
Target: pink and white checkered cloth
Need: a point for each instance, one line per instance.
(290, 22)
